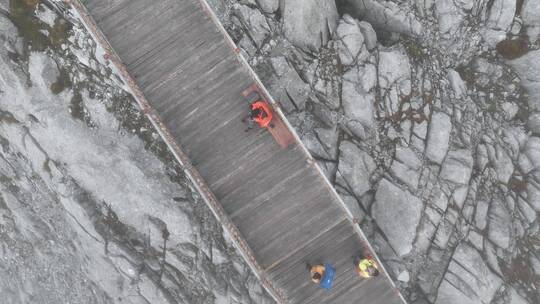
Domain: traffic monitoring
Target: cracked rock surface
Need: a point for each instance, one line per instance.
(426, 117)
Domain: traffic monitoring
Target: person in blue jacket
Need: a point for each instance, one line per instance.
(323, 275)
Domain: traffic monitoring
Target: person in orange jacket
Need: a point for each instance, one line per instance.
(259, 113)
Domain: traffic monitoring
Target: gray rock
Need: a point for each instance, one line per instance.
(308, 24)
(420, 129)
(531, 155)
(476, 239)
(50, 72)
(370, 37)
(459, 195)
(528, 69)
(534, 123)
(482, 157)
(530, 13)
(4, 4)
(457, 166)
(499, 21)
(357, 103)
(355, 128)
(324, 114)
(268, 6)
(491, 258)
(499, 224)
(404, 276)
(468, 279)
(480, 218)
(367, 77)
(387, 15)
(354, 207)
(355, 168)
(314, 146)
(397, 213)
(351, 48)
(526, 210)
(535, 262)
(289, 89)
(407, 175)
(510, 110)
(515, 298)
(533, 195)
(255, 23)
(458, 85)
(10, 32)
(394, 77)
(408, 157)
(439, 199)
(450, 16)
(329, 139)
(438, 137)
(502, 163)
(515, 139)
(329, 168)
(445, 229)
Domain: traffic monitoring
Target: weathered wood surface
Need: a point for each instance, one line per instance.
(279, 201)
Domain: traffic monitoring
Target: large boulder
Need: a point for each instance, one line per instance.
(451, 15)
(502, 163)
(255, 23)
(355, 168)
(397, 213)
(386, 15)
(438, 137)
(500, 17)
(358, 101)
(351, 48)
(468, 279)
(394, 77)
(287, 87)
(370, 36)
(268, 6)
(499, 224)
(406, 167)
(528, 69)
(308, 24)
(457, 167)
(531, 155)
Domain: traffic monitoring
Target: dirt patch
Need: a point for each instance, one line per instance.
(512, 49)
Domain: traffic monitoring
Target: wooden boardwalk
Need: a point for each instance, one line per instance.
(275, 203)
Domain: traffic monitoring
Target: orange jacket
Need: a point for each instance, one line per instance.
(265, 116)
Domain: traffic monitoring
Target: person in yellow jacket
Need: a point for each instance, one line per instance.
(366, 267)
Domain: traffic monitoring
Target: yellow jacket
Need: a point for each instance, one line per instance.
(363, 266)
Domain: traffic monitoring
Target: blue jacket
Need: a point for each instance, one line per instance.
(328, 278)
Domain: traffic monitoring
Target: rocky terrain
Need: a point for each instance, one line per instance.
(92, 207)
(425, 115)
